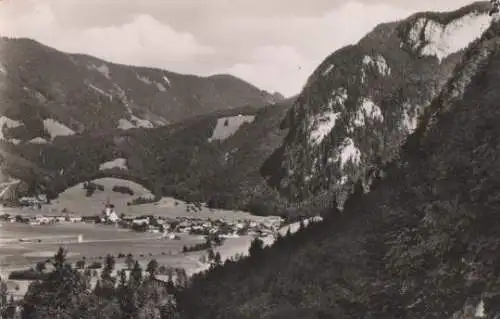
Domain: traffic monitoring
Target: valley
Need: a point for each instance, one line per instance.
(135, 192)
(24, 243)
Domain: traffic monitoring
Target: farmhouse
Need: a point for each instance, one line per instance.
(33, 200)
(141, 221)
(43, 219)
(240, 225)
(91, 219)
(60, 219)
(233, 235)
(170, 236)
(76, 219)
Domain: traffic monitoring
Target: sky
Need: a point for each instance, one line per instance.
(273, 44)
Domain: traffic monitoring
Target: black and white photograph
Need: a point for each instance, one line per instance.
(227, 159)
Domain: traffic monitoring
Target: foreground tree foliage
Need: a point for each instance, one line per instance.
(65, 293)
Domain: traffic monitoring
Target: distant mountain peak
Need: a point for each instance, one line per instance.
(80, 93)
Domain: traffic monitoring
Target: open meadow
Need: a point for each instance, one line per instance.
(74, 201)
(98, 241)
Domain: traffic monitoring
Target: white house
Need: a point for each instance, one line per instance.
(42, 219)
(172, 236)
(29, 201)
(75, 219)
(141, 221)
(42, 198)
(240, 225)
(233, 235)
(34, 200)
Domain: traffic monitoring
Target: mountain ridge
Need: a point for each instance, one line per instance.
(361, 103)
(59, 94)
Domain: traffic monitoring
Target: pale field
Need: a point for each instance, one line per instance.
(109, 240)
(16, 256)
(98, 241)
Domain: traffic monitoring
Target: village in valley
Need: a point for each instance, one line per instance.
(198, 239)
(121, 222)
(167, 226)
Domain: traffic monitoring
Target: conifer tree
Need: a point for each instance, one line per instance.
(152, 268)
(135, 278)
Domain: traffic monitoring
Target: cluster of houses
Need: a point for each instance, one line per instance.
(40, 219)
(164, 225)
(33, 201)
(225, 228)
(204, 227)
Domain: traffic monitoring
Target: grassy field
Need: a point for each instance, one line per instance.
(74, 201)
(106, 240)
(98, 240)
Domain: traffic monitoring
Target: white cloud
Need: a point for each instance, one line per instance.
(15, 22)
(281, 68)
(308, 41)
(142, 41)
(275, 47)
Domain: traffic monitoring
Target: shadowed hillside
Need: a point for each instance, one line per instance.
(422, 244)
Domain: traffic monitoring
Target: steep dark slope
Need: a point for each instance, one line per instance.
(179, 159)
(52, 93)
(422, 244)
(362, 102)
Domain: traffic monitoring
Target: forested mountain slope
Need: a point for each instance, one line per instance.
(422, 244)
(213, 158)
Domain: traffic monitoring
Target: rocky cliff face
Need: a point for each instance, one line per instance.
(362, 102)
(45, 93)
